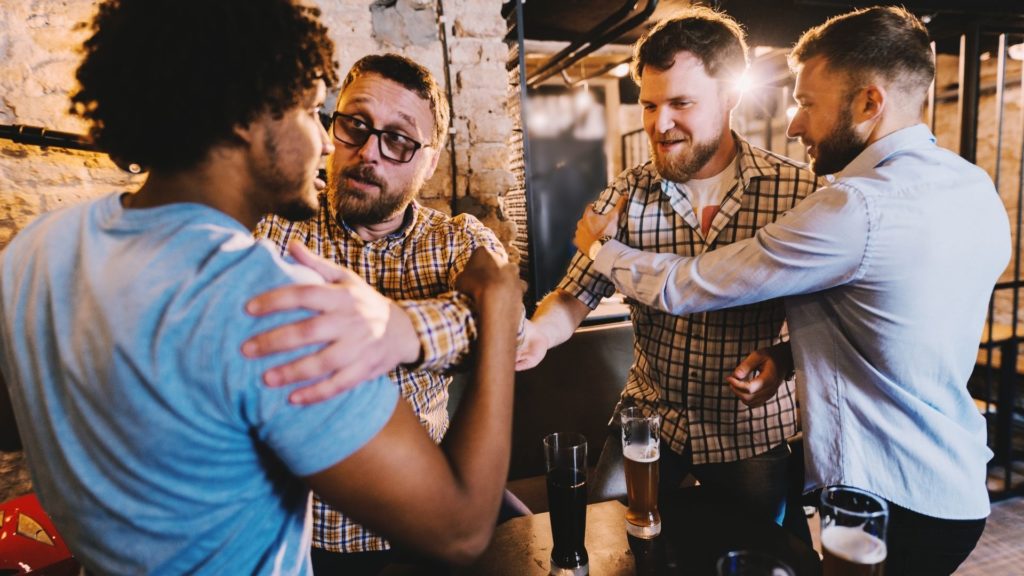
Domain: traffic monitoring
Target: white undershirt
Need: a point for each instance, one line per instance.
(706, 194)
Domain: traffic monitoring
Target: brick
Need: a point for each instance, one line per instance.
(490, 183)
(489, 157)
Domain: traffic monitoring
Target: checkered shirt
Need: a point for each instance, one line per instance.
(416, 266)
(681, 362)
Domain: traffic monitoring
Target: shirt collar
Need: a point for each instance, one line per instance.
(887, 147)
(411, 220)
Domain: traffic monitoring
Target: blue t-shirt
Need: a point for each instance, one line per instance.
(151, 440)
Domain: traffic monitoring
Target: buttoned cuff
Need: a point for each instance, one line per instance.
(607, 255)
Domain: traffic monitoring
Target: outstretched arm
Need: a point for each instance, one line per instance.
(443, 501)
(818, 245)
(557, 316)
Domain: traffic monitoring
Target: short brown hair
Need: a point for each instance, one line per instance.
(715, 38)
(411, 76)
(883, 40)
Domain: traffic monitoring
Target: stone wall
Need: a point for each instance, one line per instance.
(39, 43)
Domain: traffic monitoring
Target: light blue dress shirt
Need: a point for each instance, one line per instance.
(886, 274)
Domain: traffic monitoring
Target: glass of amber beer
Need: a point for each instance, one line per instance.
(566, 458)
(853, 525)
(641, 441)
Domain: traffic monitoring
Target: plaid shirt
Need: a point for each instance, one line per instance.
(681, 362)
(416, 266)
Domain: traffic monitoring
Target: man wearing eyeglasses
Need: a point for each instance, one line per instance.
(388, 130)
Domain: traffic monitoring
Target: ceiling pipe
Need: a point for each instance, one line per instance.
(580, 49)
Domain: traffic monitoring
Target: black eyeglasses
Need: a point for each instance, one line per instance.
(392, 145)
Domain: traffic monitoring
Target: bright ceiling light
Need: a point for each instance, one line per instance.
(791, 112)
(745, 82)
(582, 99)
(620, 71)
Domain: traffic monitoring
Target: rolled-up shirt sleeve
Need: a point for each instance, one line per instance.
(821, 243)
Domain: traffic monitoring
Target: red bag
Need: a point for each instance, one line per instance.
(29, 543)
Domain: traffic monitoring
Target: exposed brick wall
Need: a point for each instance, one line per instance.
(39, 43)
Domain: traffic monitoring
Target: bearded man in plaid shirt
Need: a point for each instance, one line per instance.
(389, 128)
(706, 187)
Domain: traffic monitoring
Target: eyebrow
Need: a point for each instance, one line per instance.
(676, 98)
(410, 120)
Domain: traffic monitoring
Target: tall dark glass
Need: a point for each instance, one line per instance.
(566, 457)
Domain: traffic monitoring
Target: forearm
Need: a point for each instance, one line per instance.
(820, 244)
(478, 442)
(438, 501)
(558, 316)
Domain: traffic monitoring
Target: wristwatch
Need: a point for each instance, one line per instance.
(596, 245)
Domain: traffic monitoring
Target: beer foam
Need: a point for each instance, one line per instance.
(641, 453)
(853, 544)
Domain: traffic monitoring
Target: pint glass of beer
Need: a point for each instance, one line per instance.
(641, 441)
(566, 458)
(853, 525)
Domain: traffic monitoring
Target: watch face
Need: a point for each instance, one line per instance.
(595, 247)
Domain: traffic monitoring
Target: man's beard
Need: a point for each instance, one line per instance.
(839, 147)
(281, 187)
(356, 207)
(682, 169)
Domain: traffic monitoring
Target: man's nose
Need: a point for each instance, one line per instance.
(663, 121)
(370, 150)
(796, 125)
(326, 142)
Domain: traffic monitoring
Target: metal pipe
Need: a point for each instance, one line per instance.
(44, 137)
(592, 46)
(601, 27)
(970, 68)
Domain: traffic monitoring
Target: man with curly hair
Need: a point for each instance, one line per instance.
(152, 440)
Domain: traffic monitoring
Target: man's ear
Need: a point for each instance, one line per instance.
(433, 163)
(870, 103)
(244, 134)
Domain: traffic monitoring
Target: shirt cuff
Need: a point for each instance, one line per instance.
(607, 255)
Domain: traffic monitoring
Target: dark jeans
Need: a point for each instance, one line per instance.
(920, 545)
(357, 563)
(757, 484)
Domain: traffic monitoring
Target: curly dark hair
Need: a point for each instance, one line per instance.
(884, 40)
(162, 81)
(414, 78)
(713, 37)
